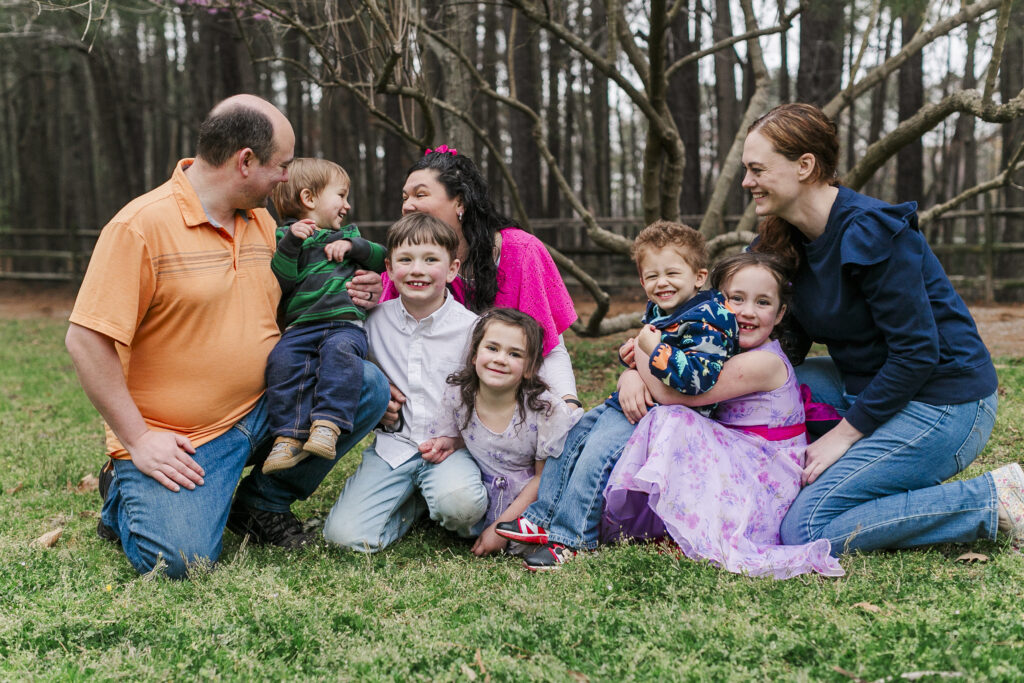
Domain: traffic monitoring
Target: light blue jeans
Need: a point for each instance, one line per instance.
(887, 490)
(570, 497)
(379, 504)
(186, 526)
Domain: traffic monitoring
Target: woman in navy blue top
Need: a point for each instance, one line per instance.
(907, 369)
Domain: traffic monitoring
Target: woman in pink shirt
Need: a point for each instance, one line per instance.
(502, 265)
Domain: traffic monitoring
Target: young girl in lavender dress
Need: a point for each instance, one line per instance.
(720, 487)
(506, 416)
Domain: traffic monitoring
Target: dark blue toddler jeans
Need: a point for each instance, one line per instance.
(315, 373)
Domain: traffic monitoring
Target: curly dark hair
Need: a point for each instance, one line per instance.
(725, 269)
(480, 222)
(530, 387)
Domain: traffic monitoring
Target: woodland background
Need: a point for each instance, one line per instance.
(589, 118)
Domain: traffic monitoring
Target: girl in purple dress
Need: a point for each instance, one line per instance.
(720, 487)
(506, 416)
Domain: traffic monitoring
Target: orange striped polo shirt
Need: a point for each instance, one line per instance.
(192, 309)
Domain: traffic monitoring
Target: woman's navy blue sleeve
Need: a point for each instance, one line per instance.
(895, 291)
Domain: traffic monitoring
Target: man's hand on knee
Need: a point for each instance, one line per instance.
(167, 457)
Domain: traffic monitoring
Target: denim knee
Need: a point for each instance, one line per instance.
(460, 509)
(348, 536)
(795, 527)
(175, 556)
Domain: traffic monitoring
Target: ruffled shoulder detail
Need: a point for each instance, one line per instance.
(871, 227)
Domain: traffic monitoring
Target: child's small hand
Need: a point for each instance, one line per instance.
(648, 339)
(337, 250)
(634, 396)
(437, 449)
(489, 542)
(627, 352)
(304, 228)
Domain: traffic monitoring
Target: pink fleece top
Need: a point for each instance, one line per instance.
(528, 281)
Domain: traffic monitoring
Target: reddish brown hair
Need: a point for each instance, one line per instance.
(794, 130)
(687, 242)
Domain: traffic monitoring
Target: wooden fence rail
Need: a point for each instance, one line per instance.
(972, 268)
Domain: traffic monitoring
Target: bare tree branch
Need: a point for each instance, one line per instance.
(970, 101)
(1004, 179)
(920, 39)
(783, 25)
(713, 222)
(997, 49)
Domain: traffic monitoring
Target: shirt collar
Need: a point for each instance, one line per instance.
(410, 323)
(192, 210)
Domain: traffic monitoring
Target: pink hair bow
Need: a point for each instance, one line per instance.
(442, 149)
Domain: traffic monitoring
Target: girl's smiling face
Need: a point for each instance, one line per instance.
(500, 358)
(753, 295)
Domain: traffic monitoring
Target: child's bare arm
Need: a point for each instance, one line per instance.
(744, 374)
(489, 541)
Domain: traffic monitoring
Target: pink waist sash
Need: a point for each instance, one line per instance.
(772, 433)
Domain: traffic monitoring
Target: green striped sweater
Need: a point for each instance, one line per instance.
(312, 287)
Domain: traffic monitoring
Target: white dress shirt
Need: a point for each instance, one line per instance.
(417, 356)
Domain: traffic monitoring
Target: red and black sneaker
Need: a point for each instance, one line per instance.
(522, 530)
(551, 556)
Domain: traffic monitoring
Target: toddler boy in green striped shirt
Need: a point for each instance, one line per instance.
(314, 374)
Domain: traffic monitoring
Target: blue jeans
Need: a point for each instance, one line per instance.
(185, 526)
(379, 504)
(277, 491)
(315, 372)
(887, 490)
(570, 497)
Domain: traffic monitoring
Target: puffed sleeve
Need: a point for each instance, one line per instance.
(554, 427)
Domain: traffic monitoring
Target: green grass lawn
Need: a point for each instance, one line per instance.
(428, 609)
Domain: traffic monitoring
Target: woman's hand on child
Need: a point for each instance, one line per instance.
(337, 250)
(489, 542)
(626, 352)
(634, 396)
(365, 289)
(304, 228)
(828, 449)
(437, 449)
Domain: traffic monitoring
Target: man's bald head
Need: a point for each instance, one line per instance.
(238, 122)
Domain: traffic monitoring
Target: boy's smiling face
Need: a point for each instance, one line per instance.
(420, 273)
(331, 206)
(667, 278)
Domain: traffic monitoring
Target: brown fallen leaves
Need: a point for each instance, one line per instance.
(49, 539)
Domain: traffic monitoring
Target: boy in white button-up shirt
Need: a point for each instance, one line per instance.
(417, 340)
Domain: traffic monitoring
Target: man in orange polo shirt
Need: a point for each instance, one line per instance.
(170, 334)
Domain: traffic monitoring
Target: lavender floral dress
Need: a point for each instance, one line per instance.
(718, 491)
(507, 460)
